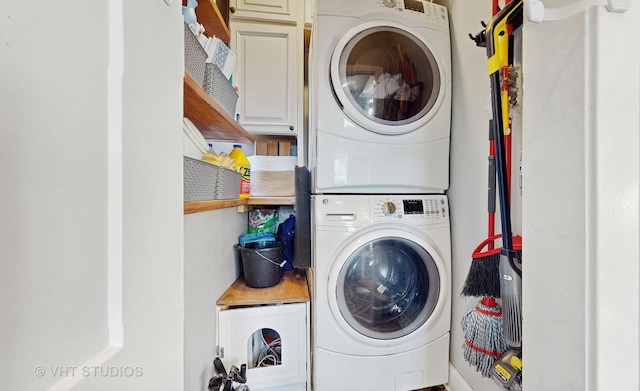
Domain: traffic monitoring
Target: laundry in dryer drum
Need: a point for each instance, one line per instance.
(385, 86)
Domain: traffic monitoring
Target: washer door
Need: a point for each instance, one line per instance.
(386, 79)
(386, 288)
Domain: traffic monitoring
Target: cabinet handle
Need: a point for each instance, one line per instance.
(232, 10)
(291, 127)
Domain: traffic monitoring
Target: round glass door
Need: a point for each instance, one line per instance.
(386, 79)
(388, 288)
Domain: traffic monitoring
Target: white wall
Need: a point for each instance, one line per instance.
(554, 284)
(91, 199)
(210, 266)
(580, 213)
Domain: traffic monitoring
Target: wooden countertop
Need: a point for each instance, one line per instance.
(292, 289)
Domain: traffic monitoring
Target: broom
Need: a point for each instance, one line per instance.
(482, 278)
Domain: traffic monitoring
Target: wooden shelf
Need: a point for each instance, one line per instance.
(271, 201)
(292, 289)
(210, 17)
(203, 206)
(209, 117)
(241, 203)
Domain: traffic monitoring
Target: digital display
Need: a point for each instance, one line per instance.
(413, 207)
(414, 5)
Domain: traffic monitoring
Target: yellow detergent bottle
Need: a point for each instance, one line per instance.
(243, 166)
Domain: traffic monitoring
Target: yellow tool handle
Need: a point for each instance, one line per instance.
(506, 129)
(500, 36)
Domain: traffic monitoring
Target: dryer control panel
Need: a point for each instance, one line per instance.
(420, 9)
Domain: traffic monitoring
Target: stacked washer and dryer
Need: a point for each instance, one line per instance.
(380, 115)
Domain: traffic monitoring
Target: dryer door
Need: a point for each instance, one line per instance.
(386, 79)
(388, 287)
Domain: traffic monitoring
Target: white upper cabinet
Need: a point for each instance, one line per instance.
(268, 76)
(309, 8)
(268, 39)
(268, 10)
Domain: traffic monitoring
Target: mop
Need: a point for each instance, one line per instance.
(483, 335)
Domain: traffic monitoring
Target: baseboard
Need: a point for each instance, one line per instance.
(456, 381)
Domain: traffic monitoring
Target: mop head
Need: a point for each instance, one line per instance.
(483, 335)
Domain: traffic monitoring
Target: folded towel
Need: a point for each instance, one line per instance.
(219, 54)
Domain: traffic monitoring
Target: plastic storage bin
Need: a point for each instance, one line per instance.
(195, 57)
(204, 181)
(217, 85)
(200, 180)
(228, 184)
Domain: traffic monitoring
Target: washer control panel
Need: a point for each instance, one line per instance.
(360, 210)
(413, 208)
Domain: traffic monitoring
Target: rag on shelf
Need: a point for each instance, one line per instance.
(219, 54)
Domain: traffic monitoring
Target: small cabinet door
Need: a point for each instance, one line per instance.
(269, 76)
(272, 10)
(272, 340)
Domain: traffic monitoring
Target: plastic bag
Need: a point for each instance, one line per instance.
(285, 234)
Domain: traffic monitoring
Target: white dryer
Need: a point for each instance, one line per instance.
(382, 292)
(380, 97)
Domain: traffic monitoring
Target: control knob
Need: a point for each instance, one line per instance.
(388, 208)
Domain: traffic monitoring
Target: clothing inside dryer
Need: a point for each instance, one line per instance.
(388, 288)
(389, 75)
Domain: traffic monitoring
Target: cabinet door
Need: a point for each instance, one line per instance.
(269, 76)
(272, 340)
(309, 10)
(273, 10)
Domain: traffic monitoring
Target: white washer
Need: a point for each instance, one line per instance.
(380, 97)
(381, 293)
